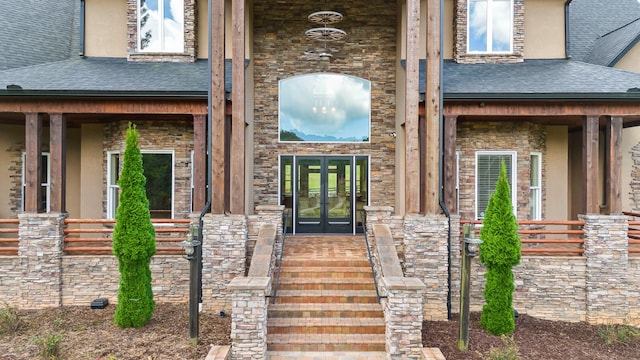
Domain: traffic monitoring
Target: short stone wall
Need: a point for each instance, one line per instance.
(634, 290)
(10, 280)
(85, 278)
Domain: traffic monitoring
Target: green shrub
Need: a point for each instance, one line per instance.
(499, 252)
(133, 240)
(9, 319)
(619, 334)
(48, 345)
(508, 352)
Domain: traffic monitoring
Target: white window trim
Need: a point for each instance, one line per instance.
(490, 30)
(111, 211)
(161, 30)
(45, 184)
(514, 178)
(111, 188)
(538, 214)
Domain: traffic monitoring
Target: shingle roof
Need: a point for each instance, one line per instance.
(608, 49)
(86, 76)
(536, 79)
(591, 19)
(38, 31)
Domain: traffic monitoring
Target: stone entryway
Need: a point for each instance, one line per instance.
(326, 302)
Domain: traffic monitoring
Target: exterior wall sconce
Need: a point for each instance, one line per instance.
(191, 242)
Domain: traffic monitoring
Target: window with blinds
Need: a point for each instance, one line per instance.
(487, 173)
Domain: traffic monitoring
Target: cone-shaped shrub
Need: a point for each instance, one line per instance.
(134, 240)
(499, 252)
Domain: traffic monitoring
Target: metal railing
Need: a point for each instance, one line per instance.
(546, 237)
(363, 216)
(285, 225)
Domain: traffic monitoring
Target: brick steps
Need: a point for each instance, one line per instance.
(326, 299)
(326, 296)
(326, 310)
(326, 355)
(325, 342)
(326, 284)
(326, 325)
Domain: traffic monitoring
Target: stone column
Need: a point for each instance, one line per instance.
(403, 317)
(426, 258)
(40, 255)
(377, 215)
(606, 250)
(249, 317)
(224, 239)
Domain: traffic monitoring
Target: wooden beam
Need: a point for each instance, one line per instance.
(106, 106)
(32, 159)
(613, 168)
(58, 162)
(217, 106)
(199, 165)
(237, 185)
(590, 164)
(482, 108)
(431, 153)
(450, 163)
(412, 98)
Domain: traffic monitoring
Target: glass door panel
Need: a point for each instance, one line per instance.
(310, 194)
(339, 206)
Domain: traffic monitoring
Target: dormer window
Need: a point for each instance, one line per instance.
(490, 26)
(161, 30)
(489, 31)
(161, 26)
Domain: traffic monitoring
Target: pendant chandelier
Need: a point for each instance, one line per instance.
(324, 33)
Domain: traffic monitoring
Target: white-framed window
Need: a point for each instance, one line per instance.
(489, 26)
(487, 172)
(192, 184)
(535, 185)
(158, 169)
(160, 26)
(45, 175)
(113, 189)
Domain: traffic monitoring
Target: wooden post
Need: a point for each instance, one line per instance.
(412, 98)
(613, 167)
(450, 163)
(237, 185)
(32, 166)
(590, 163)
(57, 149)
(199, 165)
(217, 106)
(431, 153)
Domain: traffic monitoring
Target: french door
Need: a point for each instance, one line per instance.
(324, 193)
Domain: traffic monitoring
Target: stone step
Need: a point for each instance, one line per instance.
(326, 326)
(325, 272)
(326, 296)
(296, 283)
(325, 310)
(325, 342)
(326, 355)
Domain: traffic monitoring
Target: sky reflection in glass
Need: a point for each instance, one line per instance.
(324, 107)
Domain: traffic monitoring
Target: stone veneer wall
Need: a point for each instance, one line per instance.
(634, 195)
(599, 287)
(460, 37)
(368, 51)
(265, 214)
(10, 273)
(522, 137)
(175, 135)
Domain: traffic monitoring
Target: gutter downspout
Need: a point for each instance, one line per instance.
(567, 30)
(82, 27)
(441, 202)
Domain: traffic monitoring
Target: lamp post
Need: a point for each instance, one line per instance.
(193, 253)
(470, 248)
